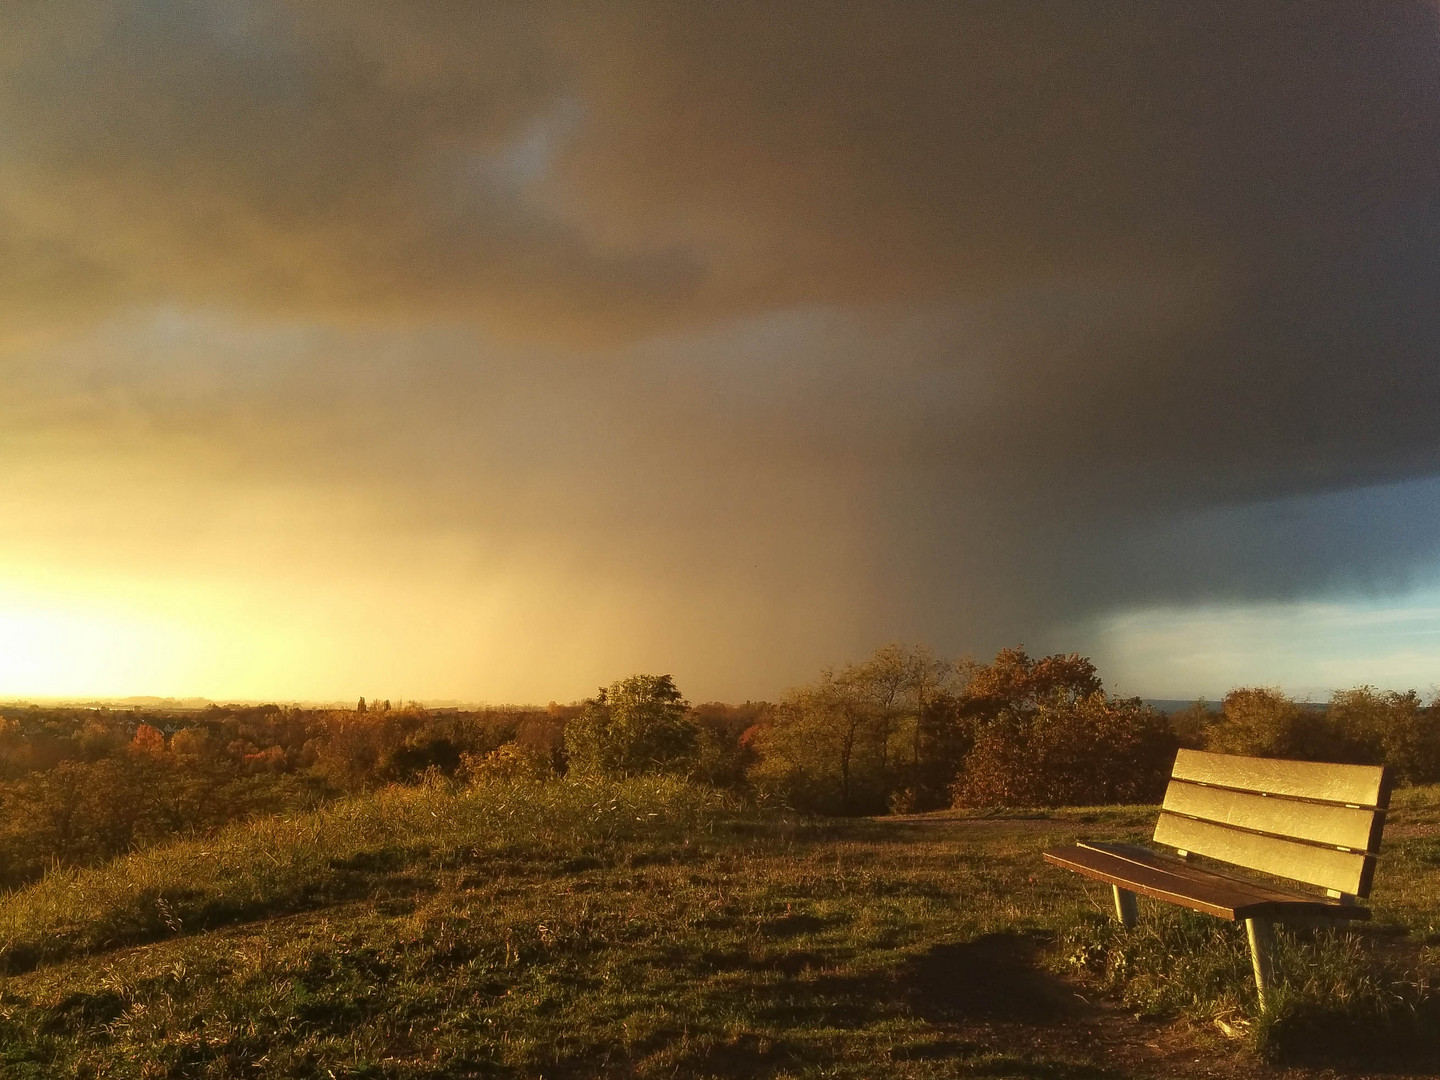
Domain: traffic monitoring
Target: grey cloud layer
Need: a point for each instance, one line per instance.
(1013, 293)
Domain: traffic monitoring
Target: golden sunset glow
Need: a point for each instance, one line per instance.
(460, 353)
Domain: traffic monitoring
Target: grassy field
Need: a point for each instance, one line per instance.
(657, 929)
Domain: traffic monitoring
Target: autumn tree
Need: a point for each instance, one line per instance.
(148, 740)
(855, 741)
(1069, 752)
(635, 726)
(1016, 684)
(1043, 732)
(1262, 722)
(191, 743)
(1387, 728)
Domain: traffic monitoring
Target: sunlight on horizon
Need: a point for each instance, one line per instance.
(428, 630)
(53, 648)
(87, 635)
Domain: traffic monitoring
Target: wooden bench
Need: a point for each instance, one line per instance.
(1310, 823)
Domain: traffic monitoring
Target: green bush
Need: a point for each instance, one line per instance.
(1387, 728)
(1363, 726)
(633, 727)
(1263, 722)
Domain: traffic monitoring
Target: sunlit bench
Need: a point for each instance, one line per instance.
(1309, 823)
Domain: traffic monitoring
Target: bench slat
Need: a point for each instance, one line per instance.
(1166, 878)
(1360, 785)
(1183, 868)
(1222, 901)
(1342, 871)
(1318, 822)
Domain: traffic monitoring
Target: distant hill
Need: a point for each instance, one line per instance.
(1174, 705)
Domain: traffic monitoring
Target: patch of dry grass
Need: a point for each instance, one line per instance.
(650, 928)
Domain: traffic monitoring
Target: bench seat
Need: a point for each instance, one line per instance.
(1176, 881)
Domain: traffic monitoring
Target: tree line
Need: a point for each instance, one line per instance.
(78, 786)
(907, 731)
(902, 731)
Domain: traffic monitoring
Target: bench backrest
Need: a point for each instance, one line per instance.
(1304, 820)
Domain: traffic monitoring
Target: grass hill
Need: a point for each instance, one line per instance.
(656, 928)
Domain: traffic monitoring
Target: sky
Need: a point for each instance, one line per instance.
(440, 350)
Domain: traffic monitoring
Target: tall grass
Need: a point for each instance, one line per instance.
(1337, 993)
(355, 847)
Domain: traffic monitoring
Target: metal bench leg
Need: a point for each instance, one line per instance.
(1262, 939)
(1124, 906)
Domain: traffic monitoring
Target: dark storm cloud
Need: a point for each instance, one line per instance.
(1026, 288)
(346, 161)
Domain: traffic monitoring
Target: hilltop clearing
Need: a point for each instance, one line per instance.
(651, 928)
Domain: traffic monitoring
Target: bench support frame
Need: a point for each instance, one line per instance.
(1261, 933)
(1126, 910)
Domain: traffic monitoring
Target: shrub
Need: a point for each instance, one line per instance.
(512, 761)
(413, 760)
(1070, 753)
(723, 752)
(1263, 722)
(1376, 728)
(633, 727)
(852, 740)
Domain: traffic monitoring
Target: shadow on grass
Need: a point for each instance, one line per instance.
(960, 992)
(1340, 1041)
(994, 977)
(1016, 1068)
